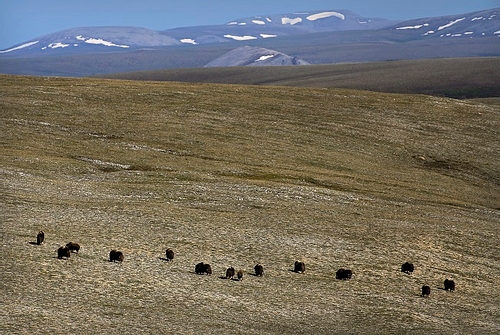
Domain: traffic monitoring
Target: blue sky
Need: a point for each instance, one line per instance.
(23, 20)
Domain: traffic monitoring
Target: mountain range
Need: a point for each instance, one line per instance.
(314, 37)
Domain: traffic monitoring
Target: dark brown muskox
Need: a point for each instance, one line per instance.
(230, 273)
(259, 270)
(407, 268)
(169, 253)
(343, 274)
(449, 285)
(199, 268)
(426, 290)
(73, 246)
(63, 252)
(299, 267)
(202, 268)
(40, 237)
(240, 274)
(115, 256)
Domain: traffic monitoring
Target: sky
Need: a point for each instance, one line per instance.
(25, 20)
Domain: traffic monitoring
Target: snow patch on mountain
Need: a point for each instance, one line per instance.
(262, 58)
(92, 40)
(56, 45)
(324, 15)
(240, 38)
(449, 24)
(19, 47)
(418, 26)
(188, 41)
(291, 21)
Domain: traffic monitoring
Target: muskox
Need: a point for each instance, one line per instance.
(299, 267)
(343, 274)
(202, 268)
(426, 290)
(449, 285)
(73, 246)
(240, 274)
(40, 237)
(63, 252)
(169, 254)
(407, 268)
(259, 270)
(230, 273)
(115, 256)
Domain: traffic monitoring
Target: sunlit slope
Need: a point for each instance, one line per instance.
(237, 175)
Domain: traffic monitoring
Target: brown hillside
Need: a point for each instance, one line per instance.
(236, 175)
(451, 77)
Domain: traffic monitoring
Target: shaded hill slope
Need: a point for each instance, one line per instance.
(457, 78)
(236, 175)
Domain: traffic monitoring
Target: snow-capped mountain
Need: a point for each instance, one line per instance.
(100, 39)
(316, 37)
(476, 24)
(93, 39)
(255, 56)
(104, 39)
(272, 26)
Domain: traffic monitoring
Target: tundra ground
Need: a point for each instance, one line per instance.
(236, 175)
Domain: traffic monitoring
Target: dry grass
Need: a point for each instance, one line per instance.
(236, 175)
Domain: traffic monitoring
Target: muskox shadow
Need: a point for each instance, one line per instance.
(33, 243)
(164, 259)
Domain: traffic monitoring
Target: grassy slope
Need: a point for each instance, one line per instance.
(234, 175)
(457, 78)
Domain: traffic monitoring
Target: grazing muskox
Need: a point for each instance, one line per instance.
(40, 237)
(343, 274)
(230, 273)
(240, 274)
(259, 270)
(169, 253)
(407, 268)
(299, 267)
(73, 246)
(426, 290)
(202, 268)
(449, 285)
(63, 252)
(115, 256)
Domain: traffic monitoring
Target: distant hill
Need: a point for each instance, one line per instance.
(475, 24)
(254, 56)
(456, 78)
